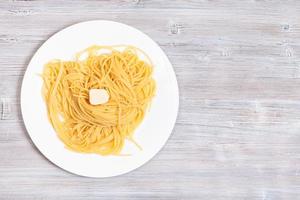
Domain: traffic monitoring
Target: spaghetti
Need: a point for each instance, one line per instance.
(100, 129)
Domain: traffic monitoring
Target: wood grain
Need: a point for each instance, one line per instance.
(237, 135)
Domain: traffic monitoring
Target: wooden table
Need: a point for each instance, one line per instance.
(237, 135)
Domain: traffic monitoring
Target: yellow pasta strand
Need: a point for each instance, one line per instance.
(100, 129)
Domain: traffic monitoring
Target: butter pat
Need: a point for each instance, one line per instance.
(98, 96)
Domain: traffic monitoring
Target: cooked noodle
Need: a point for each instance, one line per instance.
(100, 129)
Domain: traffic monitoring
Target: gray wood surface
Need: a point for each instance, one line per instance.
(237, 135)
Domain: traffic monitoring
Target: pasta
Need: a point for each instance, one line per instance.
(100, 129)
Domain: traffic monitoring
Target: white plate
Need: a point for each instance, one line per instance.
(153, 132)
